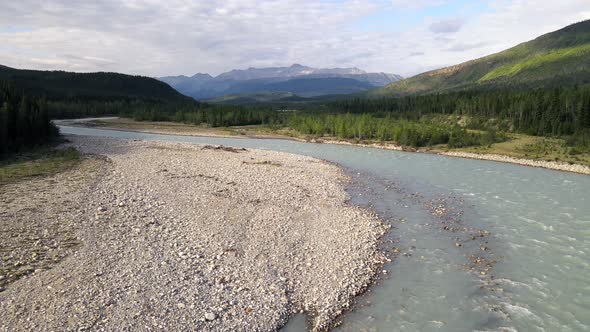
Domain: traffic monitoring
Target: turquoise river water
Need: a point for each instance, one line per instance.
(478, 245)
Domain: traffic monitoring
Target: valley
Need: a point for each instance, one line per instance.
(260, 194)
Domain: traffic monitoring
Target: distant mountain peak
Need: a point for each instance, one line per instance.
(279, 79)
(294, 70)
(200, 75)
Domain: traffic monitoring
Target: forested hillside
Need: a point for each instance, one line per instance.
(540, 112)
(70, 95)
(59, 85)
(557, 59)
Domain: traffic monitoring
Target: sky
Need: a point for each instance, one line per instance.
(183, 37)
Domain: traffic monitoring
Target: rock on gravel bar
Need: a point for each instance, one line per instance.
(175, 236)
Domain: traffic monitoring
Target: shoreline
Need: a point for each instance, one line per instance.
(244, 238)
(552, 165)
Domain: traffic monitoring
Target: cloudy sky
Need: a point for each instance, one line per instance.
(157, 38)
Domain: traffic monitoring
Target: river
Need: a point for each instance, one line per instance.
(478, 245)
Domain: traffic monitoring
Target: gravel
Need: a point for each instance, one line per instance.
(555, 165)
(176, 236)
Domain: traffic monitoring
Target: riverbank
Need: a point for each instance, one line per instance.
(171, 128)
(559, 166)
(174, 236)
(514, 152)
(37, 162)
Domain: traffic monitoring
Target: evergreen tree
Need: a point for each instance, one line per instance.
(24, 122)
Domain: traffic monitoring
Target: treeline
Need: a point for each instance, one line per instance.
(212, 115)
(191, 112)
(146, 109)
(554, 112)
(402, 131)
(24, 121)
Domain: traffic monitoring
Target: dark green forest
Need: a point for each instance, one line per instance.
(559, 112)
(389, 128)
(24, 121)
(61, 85)
(540, 112)
(142, 109)
(211, 115)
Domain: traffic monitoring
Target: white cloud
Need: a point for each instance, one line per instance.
(158, 38)
(416, 4)
(447, 25)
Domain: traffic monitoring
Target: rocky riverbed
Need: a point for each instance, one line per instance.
(173, 236)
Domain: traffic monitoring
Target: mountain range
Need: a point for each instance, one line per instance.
(297, 79)
(559, 58)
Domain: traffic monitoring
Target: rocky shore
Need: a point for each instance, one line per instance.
(173, 236)
(560, 166)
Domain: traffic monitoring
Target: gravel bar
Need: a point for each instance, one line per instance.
(175, 236)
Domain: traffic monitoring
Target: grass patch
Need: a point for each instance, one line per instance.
(159, 127)
(536, 62)
(43, 161)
